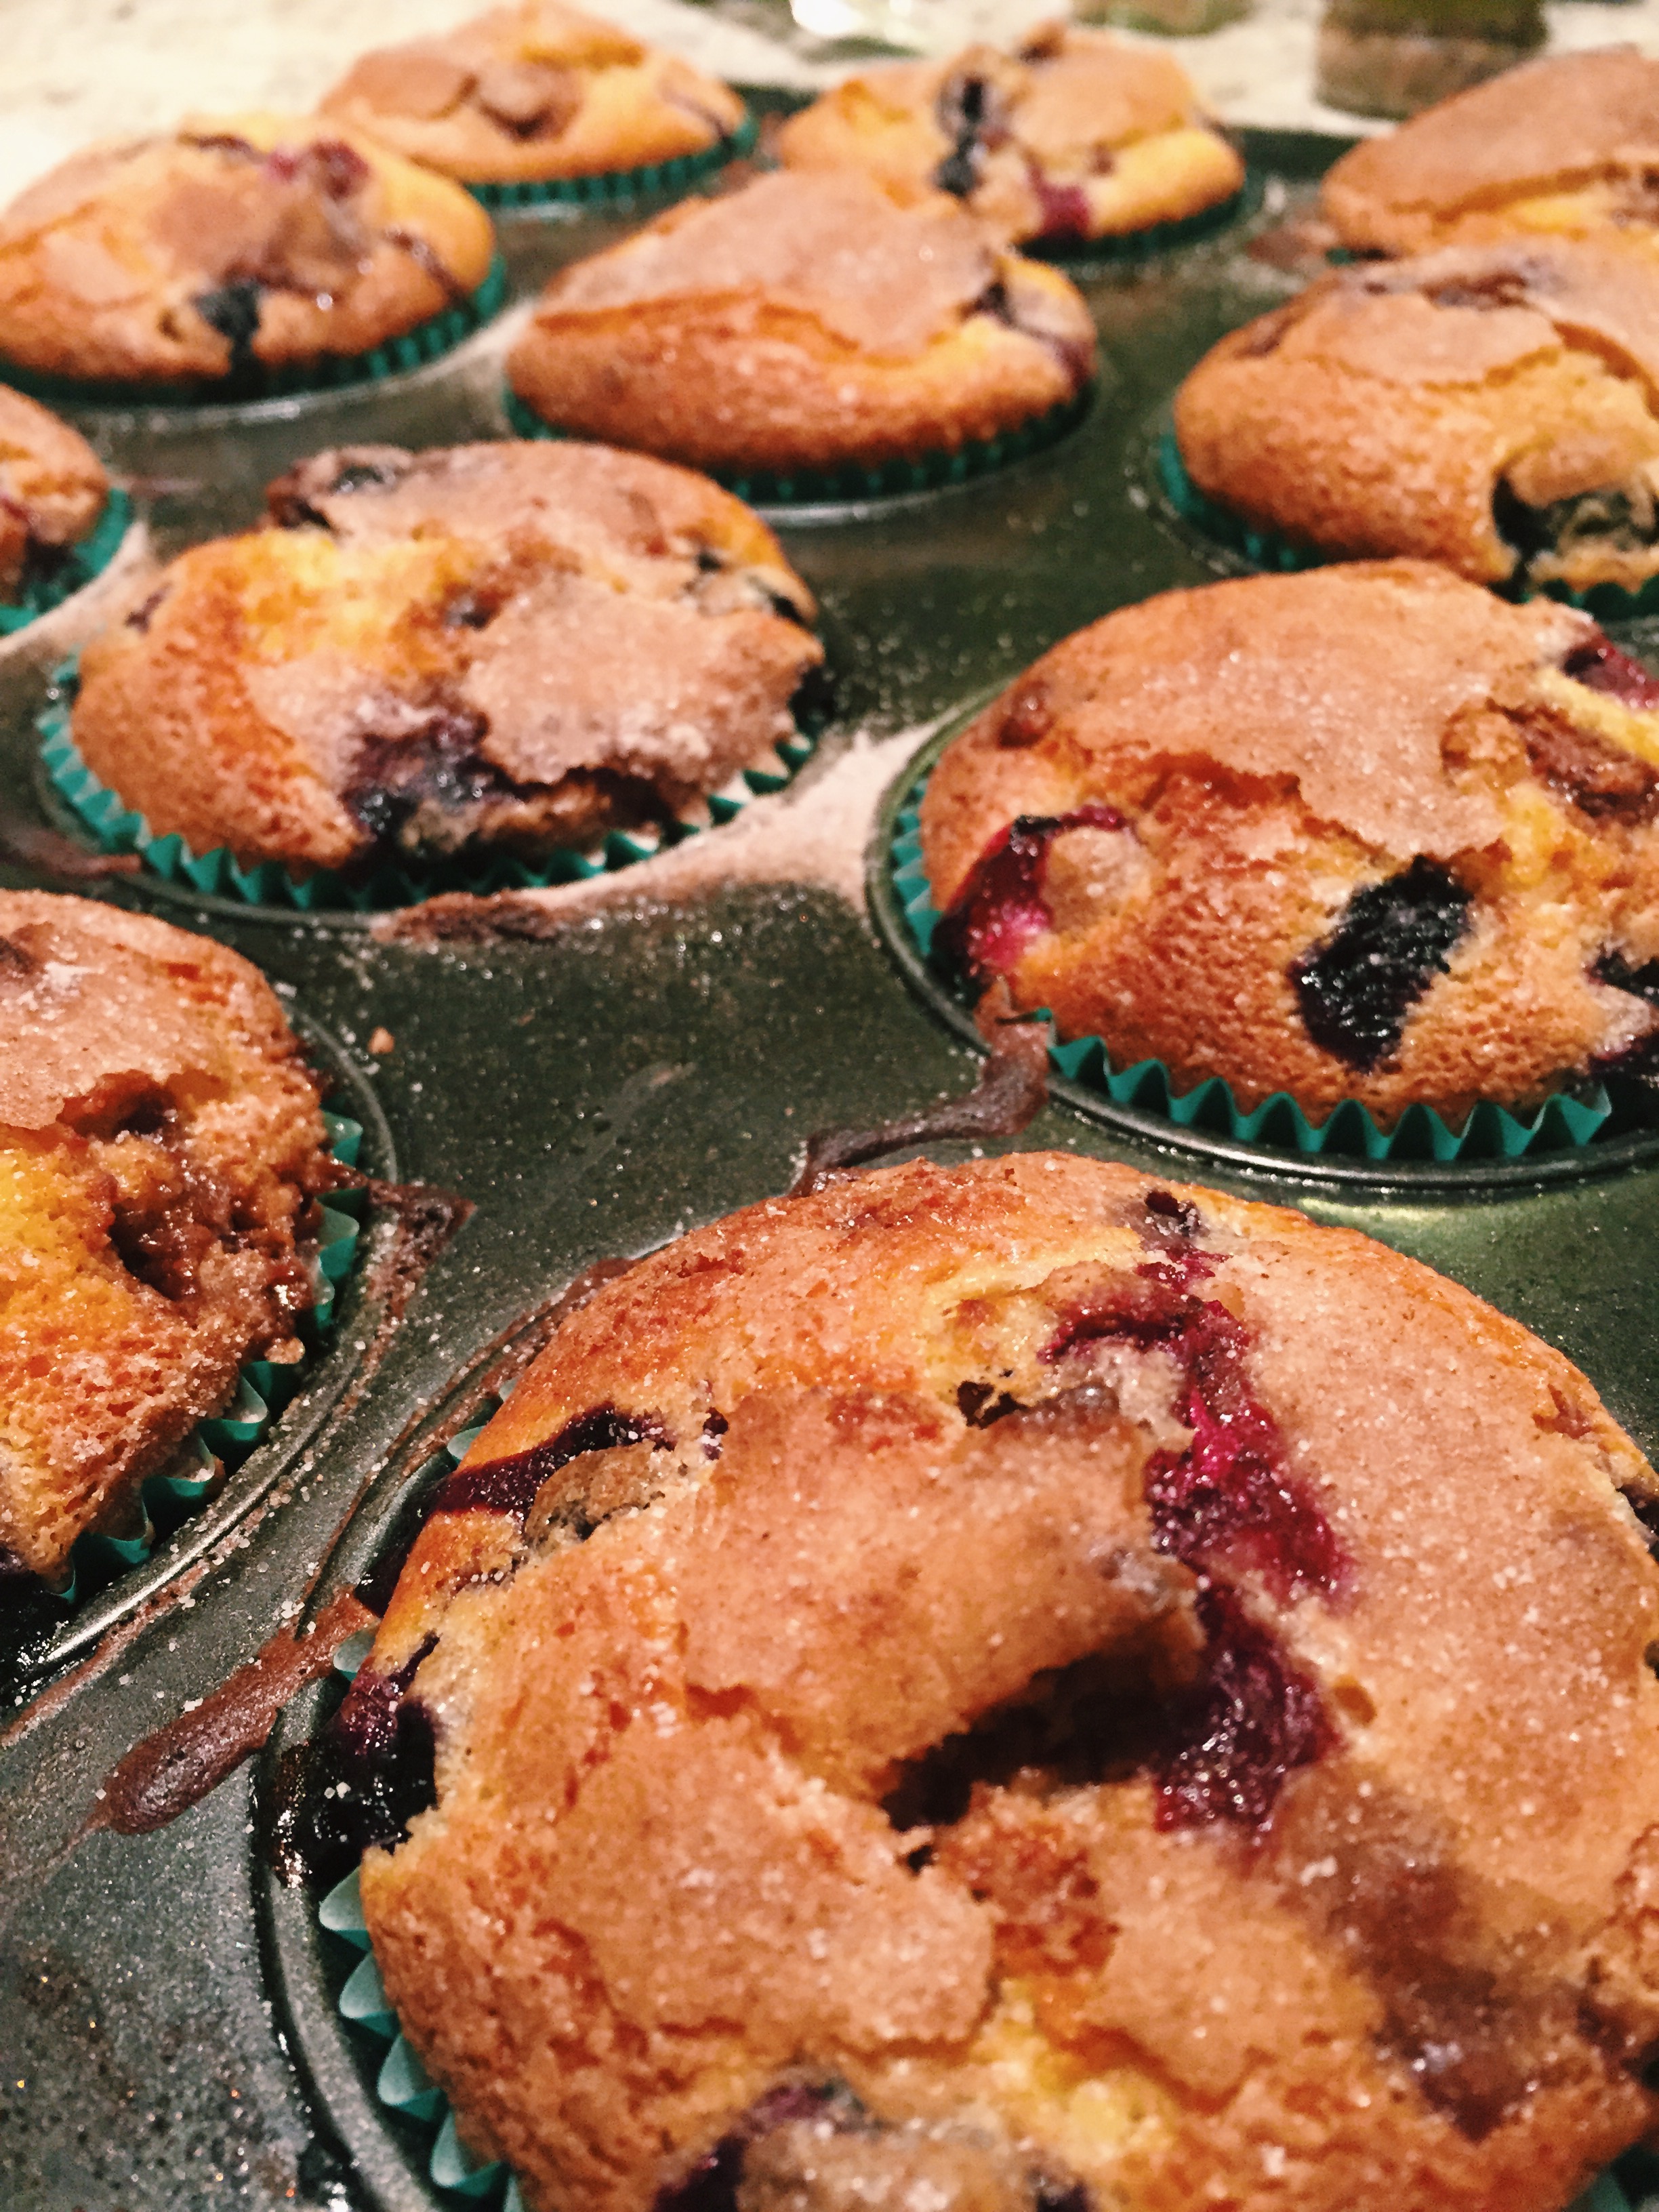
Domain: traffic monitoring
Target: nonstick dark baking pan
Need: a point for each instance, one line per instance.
(167, 2031)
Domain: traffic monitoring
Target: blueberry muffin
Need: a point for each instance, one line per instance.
(1567, 144)
(1365, 833)
(161, 1148)
(1490, 406)
(804, 323)
(53, 491)
(953, 1691)
(235, 244)
(498, 648)
(532, 94)
(1073, 136)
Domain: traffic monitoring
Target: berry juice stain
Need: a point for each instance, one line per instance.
(1000, 910)
(1601, 666)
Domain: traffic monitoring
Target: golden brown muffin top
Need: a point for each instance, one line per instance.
(91, 996)
(50, 477)
(1345, 680)
(705, 1618)
(526, 71)
(148, 256)
(887, 279)
(1562, 120)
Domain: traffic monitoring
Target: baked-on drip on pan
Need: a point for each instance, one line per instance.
(960, 1683)
(535, 94)
(1494, 407)
(512, 648)
(1071, 137)
(1367, 833)
(805, 323)
(161, 1149)
(1566, 144)
(233, 251)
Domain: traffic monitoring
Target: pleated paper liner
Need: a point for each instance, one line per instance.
(613, 187)
(1567, 1121)
(116, 828)
(404, 2085)
(854, 483)
(427, 342)
(216, 1447)
(1155, 238)
(80, 564)
(1268, 550)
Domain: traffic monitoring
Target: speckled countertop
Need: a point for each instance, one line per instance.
(77, 70)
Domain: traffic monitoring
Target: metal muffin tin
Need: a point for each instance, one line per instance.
(167, 2035)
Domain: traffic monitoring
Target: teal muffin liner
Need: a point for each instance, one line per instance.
(427, 342)
(1268, 550)
(886, 480)
(609, 187)
(116, 828)
(80, 565)
(1156, 238)
(1490, 1132)
(217, 1446)
(404, 2085)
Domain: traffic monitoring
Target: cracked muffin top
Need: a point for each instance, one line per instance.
(804, 320)
(1364, 833)
(495, 648)
(1072, 135)
(1024, 1687)
(1568, 144)
(532, 93)
(234, 244)
(52, 490)
(1494, 407)
(160, 1145)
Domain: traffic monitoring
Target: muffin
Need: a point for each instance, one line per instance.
(954, 1691)
(1567, 143)
(1365, 833)
(161, 1148)
(53, 491)
(805, 323)
(235, 247)
(1073, 136)
(1490, 406)
(535, 94)
(501, 649)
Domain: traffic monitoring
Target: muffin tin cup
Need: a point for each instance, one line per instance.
(1222, 530)
(82, 565)
(1564, 1130)
(855, 486)
(415, 349)
(618, 188)
(100, 815)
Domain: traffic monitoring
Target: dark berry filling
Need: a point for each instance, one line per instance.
(370, 1771)
(509, 1486)
(1601, 666)
(1248, 1720)
(1357, 988)
(1228, 1499)
(961, 110)
(712, 2184)
(1000, 910)
(233, 310)
(1065, 206)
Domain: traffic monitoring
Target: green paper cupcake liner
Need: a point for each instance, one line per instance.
(116, 828)
(609, 187)
(427, 342)
(854, 482)
(1157, 238)
(1268, 550)
(403, 2085)
(1564, 1121)
(81, 564)
(218, 1445)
